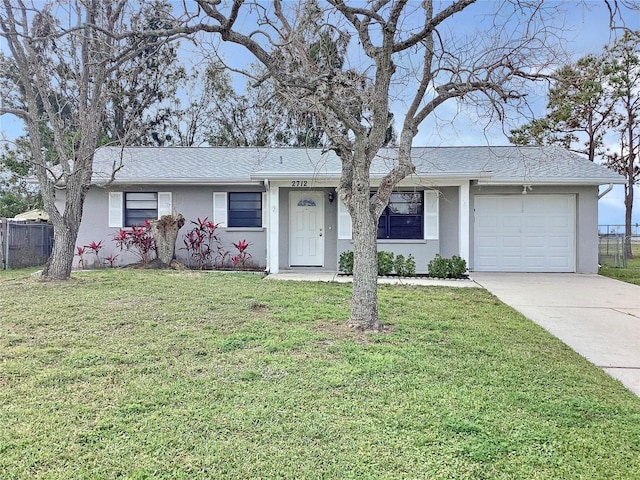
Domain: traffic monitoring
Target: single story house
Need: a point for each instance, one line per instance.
(505, 208)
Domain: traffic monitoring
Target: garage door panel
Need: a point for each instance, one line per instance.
(509, 205)
(559, 221)
(559, 242)
(532, 241)
(511, 261)
(511, 241)
(535, 262)
(535, 203)
(565, 203)
(488, 242)
(521, 233)
(488, 221)
(512, 221)
(488, 262)
(558, 262)
(535, 222)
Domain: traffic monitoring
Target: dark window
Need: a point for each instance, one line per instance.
(402, 219)
(245, 209)
(140, 207)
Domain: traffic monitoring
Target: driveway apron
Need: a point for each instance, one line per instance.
(596, 316)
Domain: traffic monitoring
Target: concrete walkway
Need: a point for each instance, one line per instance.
(324, 276)
(596, 316)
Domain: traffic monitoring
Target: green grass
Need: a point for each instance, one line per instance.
(630, 274)
(151, 374)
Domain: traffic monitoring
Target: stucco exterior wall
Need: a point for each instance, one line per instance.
(191, 201)
(449, 218)
(195, 201)
(586, 218)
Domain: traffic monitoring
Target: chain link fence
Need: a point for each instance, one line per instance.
(611, 244)
(611, 251)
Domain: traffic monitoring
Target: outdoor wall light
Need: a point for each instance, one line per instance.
(332, 196)
(525, 188)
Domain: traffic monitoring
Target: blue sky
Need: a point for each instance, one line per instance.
(586, 28)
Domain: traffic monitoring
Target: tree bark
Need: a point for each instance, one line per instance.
(628, 203)
(165, 233)
(364, 302)
(59, 265)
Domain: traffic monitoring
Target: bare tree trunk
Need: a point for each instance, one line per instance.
(364, 302)
(165, 233)
(58, 267)
(628, 203)
(65, 224)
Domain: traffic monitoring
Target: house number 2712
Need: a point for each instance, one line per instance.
(299, 183)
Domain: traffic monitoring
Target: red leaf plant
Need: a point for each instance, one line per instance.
(240, 260)
(96, 247)
(111, 259)
(138, 240)
(80, 251)
(203, 244)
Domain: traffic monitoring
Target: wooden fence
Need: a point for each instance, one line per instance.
(24, 244)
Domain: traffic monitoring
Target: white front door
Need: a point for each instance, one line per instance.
(306, 229)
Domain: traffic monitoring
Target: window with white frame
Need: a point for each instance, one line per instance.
(409, 216)
(239, 209)
(245, 209)
(134, 208)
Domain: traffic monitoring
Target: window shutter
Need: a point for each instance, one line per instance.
(115, 209)
(344, 222)
(264, 209)
(165, 206)
(431, 215)
(220, 208)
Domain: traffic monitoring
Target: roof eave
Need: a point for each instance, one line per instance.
(553, 181)
(259, 176)
(176, 181)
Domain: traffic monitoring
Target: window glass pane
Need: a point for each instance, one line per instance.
(139, 207)
(382, 226)
(243, 196)
(141, 204)
(242, 218)
(402, 219)
(245, 209)
(405, 226)
(405, 203)
(142, 196)
(244, 205)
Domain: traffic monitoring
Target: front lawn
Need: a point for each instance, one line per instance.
(153, 374)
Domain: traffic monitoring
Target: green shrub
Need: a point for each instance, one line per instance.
(454, 267)
(438, 267)
(405, 267)
(400, 266)
(458, 266)
(385, 263)
(345, 263)
(410, 266)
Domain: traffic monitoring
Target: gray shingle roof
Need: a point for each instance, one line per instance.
(210, 165)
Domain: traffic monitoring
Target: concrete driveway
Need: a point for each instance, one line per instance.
(596, 316)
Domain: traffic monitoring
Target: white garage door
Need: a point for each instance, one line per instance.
(525, 233)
